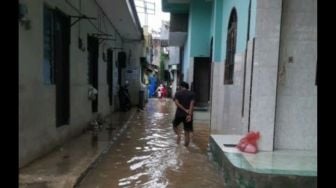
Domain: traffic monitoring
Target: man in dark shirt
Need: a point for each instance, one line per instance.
(184, 100)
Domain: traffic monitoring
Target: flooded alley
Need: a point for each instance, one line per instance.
(96, 80)
(147, 155)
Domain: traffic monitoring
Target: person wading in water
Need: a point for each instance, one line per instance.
(184, 100)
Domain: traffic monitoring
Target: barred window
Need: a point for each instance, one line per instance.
(230, 48)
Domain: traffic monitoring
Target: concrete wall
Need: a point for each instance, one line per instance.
(132, 71)
(199, 36)
(227, 100)
(200, 22)
(32, 119)
(283, 109)
(248, 84)
(217, 30)
(296, 112)
(186, 55)
(221, 14)
(37, 122)
(241, 7)
(265, 67)
(174, 55)
(178, 23)
(212, 25)
(190, 75)
(156, 53)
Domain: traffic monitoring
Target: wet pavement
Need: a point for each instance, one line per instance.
(66, 164)
(147, 155)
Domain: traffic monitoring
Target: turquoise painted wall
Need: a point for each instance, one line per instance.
(217, 31)
(174, 7)
(242, 16)
(200, 23)
(212, 25)
(186, 58)
(215, 16)
(223, 10)
(253, 18)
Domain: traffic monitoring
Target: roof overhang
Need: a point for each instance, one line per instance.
(175, 6)
(124, 18)
(178, 29)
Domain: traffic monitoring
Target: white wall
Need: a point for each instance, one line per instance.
(283, 109)
(37, 122)
(265, 67)
(133, 64)
(174, 55)
(296, 112)
(226, 106)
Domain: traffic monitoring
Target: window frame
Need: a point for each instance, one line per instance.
(48, 45)
(231, 44)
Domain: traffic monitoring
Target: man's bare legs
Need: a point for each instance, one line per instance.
(186, 138)
(191, 133)
(178, 133)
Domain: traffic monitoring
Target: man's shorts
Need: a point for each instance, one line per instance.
(188, 126)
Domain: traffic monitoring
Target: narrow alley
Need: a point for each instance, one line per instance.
(147, 155)
(92, 75)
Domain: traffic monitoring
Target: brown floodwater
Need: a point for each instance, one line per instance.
(147, 155)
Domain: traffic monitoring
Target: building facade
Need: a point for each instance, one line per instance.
(261, 59)
(68, 51)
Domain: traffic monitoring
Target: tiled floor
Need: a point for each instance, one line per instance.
(289, 162)
(285, 161)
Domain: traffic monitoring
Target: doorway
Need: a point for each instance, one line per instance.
(61, 58)
(201, 83)
(93, 48)
(110, 75)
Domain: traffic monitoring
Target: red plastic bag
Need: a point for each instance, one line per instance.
(248, 143)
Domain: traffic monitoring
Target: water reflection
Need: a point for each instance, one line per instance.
(148, 156)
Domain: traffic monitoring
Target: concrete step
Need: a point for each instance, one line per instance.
(276, 169)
